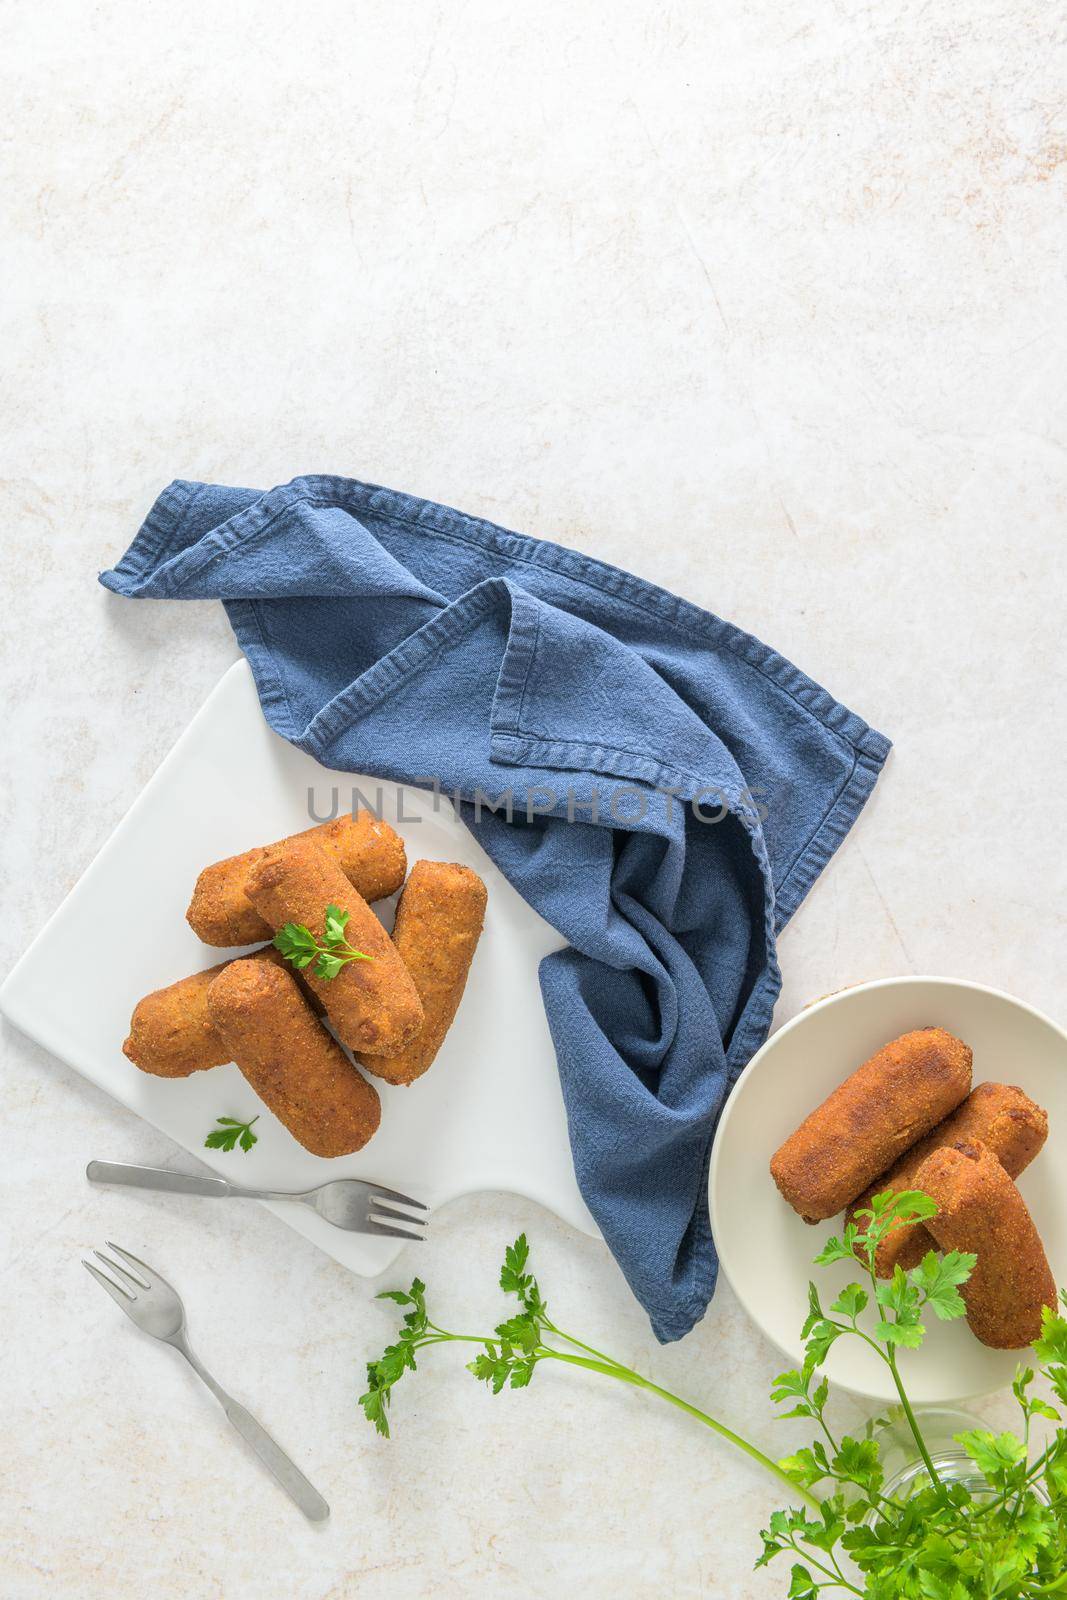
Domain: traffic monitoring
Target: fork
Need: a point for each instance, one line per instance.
(349, 1203)
(150, 1301)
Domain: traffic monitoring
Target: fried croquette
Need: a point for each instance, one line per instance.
(373, 1005)
(868, 1122)
(295, 1066)
(172, 1034)
(368, 852)
(1002, 1117)
(980, 1210)
(438, 925)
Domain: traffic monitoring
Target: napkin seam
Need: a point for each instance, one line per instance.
(414, 652)
(836, 824)
(261, 659)
(701, 621)
(158, 528)
(545, 750)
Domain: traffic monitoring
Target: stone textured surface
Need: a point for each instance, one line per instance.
(765, 303)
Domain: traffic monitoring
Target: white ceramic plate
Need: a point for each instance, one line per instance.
(488, 1115)
(766, 1250)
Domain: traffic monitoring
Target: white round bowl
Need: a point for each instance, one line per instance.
(765, 1249)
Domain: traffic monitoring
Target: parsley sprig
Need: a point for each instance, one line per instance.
(230, 1133)
(939, 1541)
(509, 1356)
(300, 947)
(900, 1300)
(936, 1540)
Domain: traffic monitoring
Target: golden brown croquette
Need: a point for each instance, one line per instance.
(980, 1210)
(368, 852)
(295, 1066)
(438, 925)
(171, 1032)
(868, 1122)
(373, 1005)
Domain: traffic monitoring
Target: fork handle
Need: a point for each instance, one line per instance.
(183, 1183)
(302, 1493)
(155, 1178)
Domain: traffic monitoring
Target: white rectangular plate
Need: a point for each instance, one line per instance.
(489, 1113)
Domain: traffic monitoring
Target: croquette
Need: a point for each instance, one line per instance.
(295, 1066)
(980, 1210)
(171, 1033)
(438, 925)
(869, 1121)
(373, 1005)
(367, 850)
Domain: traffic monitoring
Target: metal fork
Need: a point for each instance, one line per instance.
(348, 1203)
(150, 1301)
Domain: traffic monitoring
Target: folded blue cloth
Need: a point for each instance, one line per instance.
(675, 788)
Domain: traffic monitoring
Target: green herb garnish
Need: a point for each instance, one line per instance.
(935, 1540)
(300, 947)
(512, 1353)
(231, 1133)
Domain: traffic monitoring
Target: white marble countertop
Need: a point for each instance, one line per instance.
(766, 304)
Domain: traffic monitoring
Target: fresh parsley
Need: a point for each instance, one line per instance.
(231, 1133)
(300, 947)
(509, 1356)
(1006, 1540)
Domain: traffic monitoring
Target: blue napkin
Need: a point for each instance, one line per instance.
(675, 788)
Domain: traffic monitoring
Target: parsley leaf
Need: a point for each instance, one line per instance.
(850, 1302)
(300, 947)
(858, 1461)
(328, 966)
(833, 1250)
(514, 1279)
(1052, 1344)
(808, 1465)
(802, 1585)
(796, 1385)
(296, 943)
(901, 1298)
(231, 1133)
(994, 1454)
(936, 1278)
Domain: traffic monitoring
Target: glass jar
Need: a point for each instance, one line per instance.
(904, 1468)
(901, 1461)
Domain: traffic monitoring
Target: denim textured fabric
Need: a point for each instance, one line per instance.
(393, 636)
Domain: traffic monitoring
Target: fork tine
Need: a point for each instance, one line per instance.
(146, 1282)
(120, 1272)
(380, 1210)
(393, 1194)
(118, 1294)
(370, 1226)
